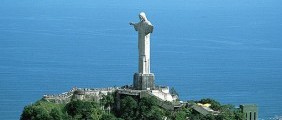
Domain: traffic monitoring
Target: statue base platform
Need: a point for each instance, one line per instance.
(144, 81)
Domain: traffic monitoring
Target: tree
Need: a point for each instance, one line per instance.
(149, 110)
(128, 108)
(107, 100)
(227, 112)
(37, 111)
(27, 113)
(56, 114)
(106, 116)
(180, 115)
(83, 109)
(156, 113)
(41, 114)
(96, 113)
(239, 115)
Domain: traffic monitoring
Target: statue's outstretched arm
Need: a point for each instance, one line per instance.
(131, 23)
(135, 25)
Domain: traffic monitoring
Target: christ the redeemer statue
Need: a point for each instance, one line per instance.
(144, 28)
(143, 79)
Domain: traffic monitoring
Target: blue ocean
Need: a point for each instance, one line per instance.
(228, 50)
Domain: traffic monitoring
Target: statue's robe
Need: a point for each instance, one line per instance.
(144, 29)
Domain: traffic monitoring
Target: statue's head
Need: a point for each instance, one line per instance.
(143, 17)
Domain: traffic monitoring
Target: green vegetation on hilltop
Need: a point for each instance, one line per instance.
(226, 112)
(42, 110)
(75, 110)
(131, 108)
(145, 109)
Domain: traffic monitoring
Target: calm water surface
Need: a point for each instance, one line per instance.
(227, 50)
